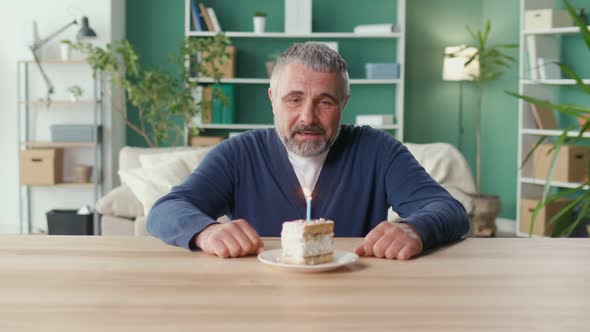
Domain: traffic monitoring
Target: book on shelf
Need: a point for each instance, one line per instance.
(540, 46)
(206, 105)
(197, 94)
(544, 117)
(206, 17)
(214, 20)
(376, 28)
(196, 16)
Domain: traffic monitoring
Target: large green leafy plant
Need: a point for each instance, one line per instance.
(562, 220)
(493, 61)
(160, 97)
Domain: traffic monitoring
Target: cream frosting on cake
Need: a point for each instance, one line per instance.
(306, 242)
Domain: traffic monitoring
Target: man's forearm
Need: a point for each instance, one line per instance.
(177, 221)
(439, 223)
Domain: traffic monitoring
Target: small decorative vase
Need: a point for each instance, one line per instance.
(83, 173)
(259, 24)
(66, 52)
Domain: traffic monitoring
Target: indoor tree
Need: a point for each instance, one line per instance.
(160, 97)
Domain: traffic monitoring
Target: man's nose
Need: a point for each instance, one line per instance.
(307, 114)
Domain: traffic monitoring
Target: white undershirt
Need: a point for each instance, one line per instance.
(307, 169)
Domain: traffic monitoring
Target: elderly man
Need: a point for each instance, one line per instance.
(354, 173)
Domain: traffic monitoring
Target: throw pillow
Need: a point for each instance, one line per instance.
(120, 202)
(150, 183)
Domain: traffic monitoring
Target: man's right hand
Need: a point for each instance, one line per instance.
(233, 239)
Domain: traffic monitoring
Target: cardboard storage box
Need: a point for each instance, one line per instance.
(228, 68)
(539, 19)
(41, 166)
(541, 227)
(571, 166)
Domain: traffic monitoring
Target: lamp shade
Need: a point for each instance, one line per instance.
(454, 68)
(85, 30)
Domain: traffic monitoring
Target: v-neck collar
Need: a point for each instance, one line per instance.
(290, 186)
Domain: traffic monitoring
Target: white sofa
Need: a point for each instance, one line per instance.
(123, 214)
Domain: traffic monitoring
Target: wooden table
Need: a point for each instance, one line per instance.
(123, 284)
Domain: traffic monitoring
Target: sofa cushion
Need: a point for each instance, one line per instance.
(120, 202)
(191, 158)
(116, 226)
(150, 183)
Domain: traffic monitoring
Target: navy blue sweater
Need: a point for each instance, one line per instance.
(365, 172)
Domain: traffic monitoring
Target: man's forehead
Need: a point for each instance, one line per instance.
(297, 78)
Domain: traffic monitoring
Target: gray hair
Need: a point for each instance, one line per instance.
(315, 56)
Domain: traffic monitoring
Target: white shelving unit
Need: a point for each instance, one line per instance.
(528, 133)
(396, 84)
(241, 34)
(29, 107)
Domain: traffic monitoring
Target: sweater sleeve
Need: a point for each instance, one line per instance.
(422, 202)
(204, 196)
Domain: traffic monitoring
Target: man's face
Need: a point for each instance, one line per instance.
(307, 107)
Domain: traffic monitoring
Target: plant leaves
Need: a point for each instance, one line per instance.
(579, 22)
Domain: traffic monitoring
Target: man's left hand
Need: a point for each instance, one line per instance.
(391, 241)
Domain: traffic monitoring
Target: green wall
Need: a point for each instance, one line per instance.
(156, 28)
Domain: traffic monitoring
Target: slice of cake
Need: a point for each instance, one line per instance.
(307, 242)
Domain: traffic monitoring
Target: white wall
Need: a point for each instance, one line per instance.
(107, 18)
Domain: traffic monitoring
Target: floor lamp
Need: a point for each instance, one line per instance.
(454, 69)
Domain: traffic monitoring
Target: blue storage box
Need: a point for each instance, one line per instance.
(75, 133)
(382, 70)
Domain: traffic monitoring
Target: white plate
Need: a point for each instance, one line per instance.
(341, 258)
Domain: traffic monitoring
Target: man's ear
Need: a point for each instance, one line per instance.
(345, 101)
(271, 100)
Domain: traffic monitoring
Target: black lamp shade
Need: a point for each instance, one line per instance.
(85, 30)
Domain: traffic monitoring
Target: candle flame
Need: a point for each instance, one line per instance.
(307, 193)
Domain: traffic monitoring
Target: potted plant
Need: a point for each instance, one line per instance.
(65, 51)
(259, 21)
(75, 92)
(579, 206)
(492, 63)
(164, 102)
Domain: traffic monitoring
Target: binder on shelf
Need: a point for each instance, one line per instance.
(540, 46)
(298, 16)
(214, 20)
(544, 117)
(206, 17)
(196, 16)
(221, 113)
(549, 69)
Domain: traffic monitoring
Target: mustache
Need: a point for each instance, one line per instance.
(303, 129)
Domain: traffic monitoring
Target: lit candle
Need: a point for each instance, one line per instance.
(308, 200)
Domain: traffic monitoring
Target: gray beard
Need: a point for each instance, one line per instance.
(306, 148)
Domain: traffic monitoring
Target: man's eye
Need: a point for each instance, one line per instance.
(294, 100)
(326, 102)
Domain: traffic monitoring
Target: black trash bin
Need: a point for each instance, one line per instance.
(68, 222)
